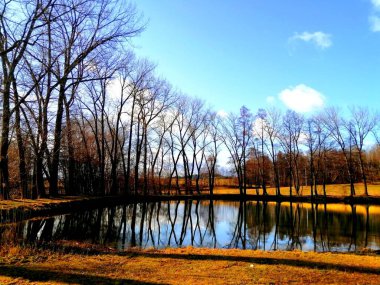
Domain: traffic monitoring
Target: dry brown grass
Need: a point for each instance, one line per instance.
(338, 208)
(331, 190)
(29, 204)
(187, 266)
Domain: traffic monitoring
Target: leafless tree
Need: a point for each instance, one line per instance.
(15, 37)
(272, 130)
(85, 28)
(316, 137)
(360, 126)
(237, 138)
(213, 148)
(340, 132)
(290, 140)
(259, 132)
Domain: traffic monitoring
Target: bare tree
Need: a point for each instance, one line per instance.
(290, 139)
(15, 37)
(272, 130)
(237, 138)
(360, 126)
(315, 141)
(213, 148)
(85, 28)
(340, 132)
(188, 119)
(259, 132)
(152, 103)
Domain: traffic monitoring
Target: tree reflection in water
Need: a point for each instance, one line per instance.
(213, 224)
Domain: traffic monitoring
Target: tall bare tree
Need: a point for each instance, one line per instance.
(340, 132)
(237, 138)
(290, 138)
(272, 131)
(85, 28)
(15, 37)
(360, 126)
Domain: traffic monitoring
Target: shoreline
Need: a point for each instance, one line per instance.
(23, 209)
(71, 262)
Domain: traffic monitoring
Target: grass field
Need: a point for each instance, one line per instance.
(186, 266)
(333, 190)
(29, 204)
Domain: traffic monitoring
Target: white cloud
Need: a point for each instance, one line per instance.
(319, 39)
(376, 4)
(374, 19)
(302, 98)
(271, 100)
(374, 22)
(114, 88)
(222, 114)
(258, 125)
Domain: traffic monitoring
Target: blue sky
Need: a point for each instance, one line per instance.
(302, 54)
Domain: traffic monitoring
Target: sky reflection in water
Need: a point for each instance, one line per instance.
(253, 225)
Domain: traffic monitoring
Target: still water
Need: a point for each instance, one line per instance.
(214, 224)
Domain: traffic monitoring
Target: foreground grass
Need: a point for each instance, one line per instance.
(185, 266)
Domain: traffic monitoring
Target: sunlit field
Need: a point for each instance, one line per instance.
(332, 190)
(337, 208)
(186, 266)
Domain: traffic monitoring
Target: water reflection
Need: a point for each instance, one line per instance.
(254, 225)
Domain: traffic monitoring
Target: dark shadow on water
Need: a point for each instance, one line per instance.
(252, 225)
(35, 275)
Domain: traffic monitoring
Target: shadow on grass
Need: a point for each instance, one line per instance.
(260, 260)
(320, 265)
(42, 275)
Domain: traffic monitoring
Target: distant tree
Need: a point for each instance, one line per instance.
(200, 142)
(316, 137)
(272, 130)
(290, 139)
(213, 148)
(237, 138)
(340, 132)
(361, 124)
(259, 132)
(152, 103)
(245, 124)
(376, 129)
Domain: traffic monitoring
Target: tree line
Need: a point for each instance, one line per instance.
(291, 149)
(81, 114)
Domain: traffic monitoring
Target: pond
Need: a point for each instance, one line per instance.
(213, 224)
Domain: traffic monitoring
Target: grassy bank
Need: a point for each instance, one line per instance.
(20, 209)
(185, 266)
(29, 204)
(331, 190)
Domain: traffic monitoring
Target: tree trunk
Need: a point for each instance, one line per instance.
(4, 145)
(57, 144)
(72, 183)
(21, 150)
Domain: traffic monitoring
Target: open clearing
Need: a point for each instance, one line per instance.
(184, 266)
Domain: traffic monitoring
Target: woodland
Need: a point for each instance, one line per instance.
(111, 175)
(81, 114)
